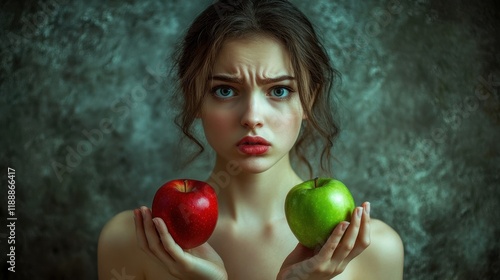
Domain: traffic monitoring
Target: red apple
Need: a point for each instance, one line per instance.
(189, 209)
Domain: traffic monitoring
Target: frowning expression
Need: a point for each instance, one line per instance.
(252, 113)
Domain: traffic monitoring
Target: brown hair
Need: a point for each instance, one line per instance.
(282, 20)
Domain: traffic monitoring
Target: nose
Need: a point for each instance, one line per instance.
(252, 112)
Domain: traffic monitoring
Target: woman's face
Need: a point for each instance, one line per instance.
(252, 114)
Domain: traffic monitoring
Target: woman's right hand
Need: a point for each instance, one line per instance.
(153, 237)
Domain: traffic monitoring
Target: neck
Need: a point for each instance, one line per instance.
(253, 197)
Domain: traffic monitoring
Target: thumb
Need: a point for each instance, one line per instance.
(205, 251)
(300, 253)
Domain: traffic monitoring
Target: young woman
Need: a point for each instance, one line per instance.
(256, 76)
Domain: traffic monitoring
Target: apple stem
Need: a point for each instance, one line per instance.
(185, 185)
(316, 182)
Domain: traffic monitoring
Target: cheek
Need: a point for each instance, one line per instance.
(288, 125)
(292, 117)
(216, 124)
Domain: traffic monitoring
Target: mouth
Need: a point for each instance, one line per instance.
(253, 145)
(253, 140)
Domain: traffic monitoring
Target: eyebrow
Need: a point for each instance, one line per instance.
(232, 79)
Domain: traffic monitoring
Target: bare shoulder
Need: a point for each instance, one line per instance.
(384, 258)
(118, 254)
(384, 236)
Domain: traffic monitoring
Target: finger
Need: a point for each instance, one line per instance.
(333, 241)
(364, 239)
(169, 244)
(364, 232)
(153, 240)
(140, 233)
(139, 230)
(348, 241)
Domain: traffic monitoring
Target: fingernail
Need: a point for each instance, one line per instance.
(155, 221)
(344, 226)
(368, 208)
(359, 211)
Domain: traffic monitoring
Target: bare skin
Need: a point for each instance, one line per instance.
(252, 239)
(247, 253)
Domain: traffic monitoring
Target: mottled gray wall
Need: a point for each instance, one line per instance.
(419, 108)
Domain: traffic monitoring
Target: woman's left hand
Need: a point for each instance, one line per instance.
(346, 242)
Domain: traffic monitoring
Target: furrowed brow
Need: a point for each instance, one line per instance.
(225, 78)
(277, 79)
(232, 79)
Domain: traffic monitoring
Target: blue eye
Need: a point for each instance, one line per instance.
(280, 92)
(223, 92)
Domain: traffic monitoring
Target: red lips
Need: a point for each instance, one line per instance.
(253, 140)
(253, 145)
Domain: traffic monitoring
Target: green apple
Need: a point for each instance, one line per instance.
(315, 207)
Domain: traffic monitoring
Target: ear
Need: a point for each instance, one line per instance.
(305, 108)
(310, 103)
(304, 116)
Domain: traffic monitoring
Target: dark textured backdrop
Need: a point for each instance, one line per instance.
(87, 124)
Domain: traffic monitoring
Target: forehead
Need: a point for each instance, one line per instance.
(261, 54)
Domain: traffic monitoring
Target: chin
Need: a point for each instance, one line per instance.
(257, 165)
(254, 166)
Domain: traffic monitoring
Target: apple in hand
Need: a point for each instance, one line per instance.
(315, 207)
(189, 209)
